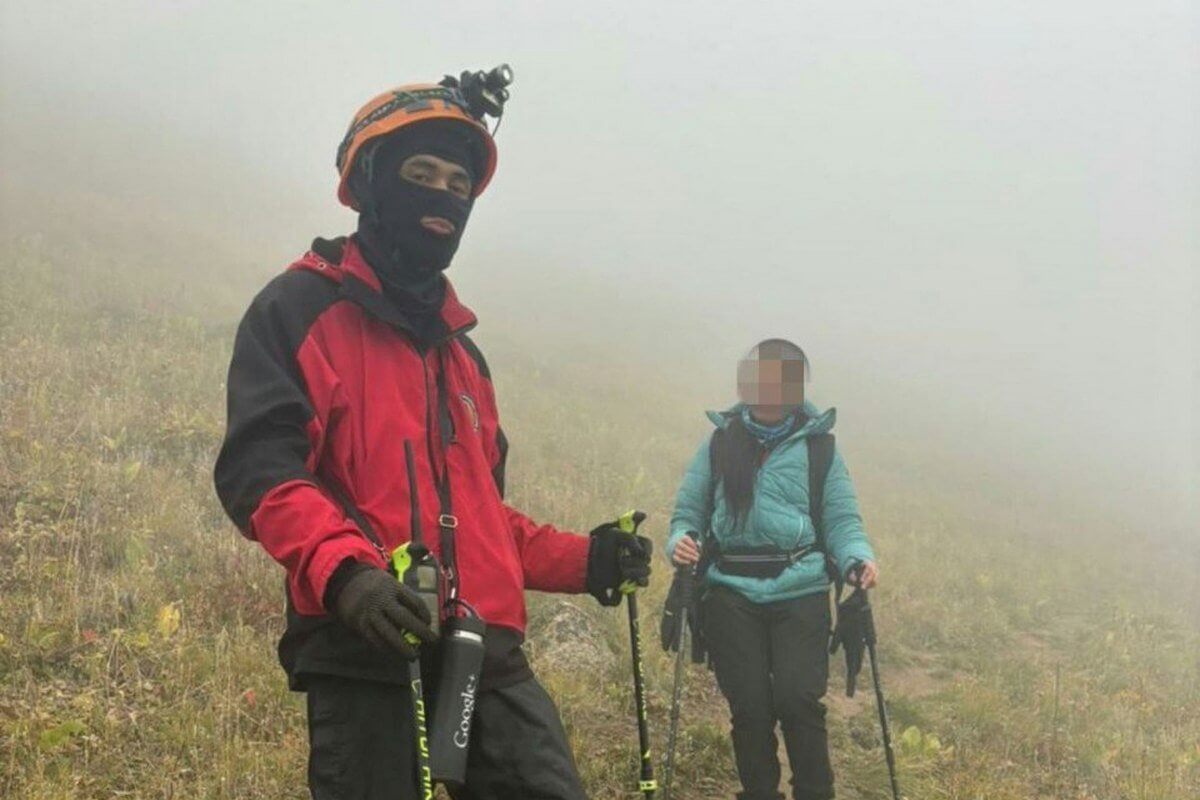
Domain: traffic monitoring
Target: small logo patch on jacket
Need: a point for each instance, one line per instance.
(469, 402)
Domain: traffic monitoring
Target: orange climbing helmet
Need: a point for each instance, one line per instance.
(406, 105)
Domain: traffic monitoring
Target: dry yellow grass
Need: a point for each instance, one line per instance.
(137, 628)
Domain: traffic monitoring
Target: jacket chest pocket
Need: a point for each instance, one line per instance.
(470, 446)
(781, 510)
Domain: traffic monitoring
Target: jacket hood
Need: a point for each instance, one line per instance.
(341, 261)
(818, 421)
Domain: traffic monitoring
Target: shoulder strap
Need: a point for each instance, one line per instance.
(713, 443)
(447, 521)
(820, 458)
(709, 551)
(712, 457)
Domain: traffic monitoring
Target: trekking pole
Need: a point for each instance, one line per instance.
(406, 561)
(686, 576)
(629, 522)
(869, 637)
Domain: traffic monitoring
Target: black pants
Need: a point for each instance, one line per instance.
(361, 740)
(772, 665)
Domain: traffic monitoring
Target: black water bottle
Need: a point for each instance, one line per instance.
(461, 660)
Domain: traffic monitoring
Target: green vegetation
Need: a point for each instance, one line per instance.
(137, 629)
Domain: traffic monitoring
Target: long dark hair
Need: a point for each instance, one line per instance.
(737, 456)
(737, 453)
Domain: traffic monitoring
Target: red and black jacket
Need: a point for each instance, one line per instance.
(325, 386)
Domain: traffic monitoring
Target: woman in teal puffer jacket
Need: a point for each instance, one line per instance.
(745, 502)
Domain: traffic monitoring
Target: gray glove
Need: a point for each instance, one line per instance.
(383, 611)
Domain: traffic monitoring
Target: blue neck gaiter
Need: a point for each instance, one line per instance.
(769, 435)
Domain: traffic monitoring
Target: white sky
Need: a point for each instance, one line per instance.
(985, 210)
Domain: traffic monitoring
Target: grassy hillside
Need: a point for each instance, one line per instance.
(137, 629)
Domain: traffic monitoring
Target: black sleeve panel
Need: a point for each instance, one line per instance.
(476, 355)
(501, 440)
(266, 441)
(498, 470)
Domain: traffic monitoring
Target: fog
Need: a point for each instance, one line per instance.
(979, 219)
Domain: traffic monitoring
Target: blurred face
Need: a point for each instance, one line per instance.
(771, 387)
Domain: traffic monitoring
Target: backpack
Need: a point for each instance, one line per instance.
(769, 562)
(683, 602)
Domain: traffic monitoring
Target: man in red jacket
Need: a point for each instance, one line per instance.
(359, 347)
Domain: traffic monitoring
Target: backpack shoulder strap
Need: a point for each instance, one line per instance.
(709, 551)
(820, 458)
(713, 443)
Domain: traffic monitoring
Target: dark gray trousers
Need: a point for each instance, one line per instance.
(772, 665)
(361, 744)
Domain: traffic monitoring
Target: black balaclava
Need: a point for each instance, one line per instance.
(407, 258)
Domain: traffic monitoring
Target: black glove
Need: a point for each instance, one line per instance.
(379, 608)
(851, 631)
(676, 609)
(615, 558)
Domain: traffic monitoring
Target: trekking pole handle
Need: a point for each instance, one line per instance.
(629, 523)
(692, 540)
(689, 571)
(630, 520)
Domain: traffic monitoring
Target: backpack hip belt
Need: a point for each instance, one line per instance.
(759, 562)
